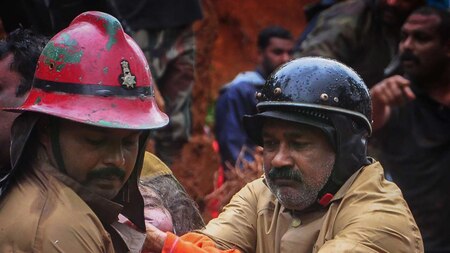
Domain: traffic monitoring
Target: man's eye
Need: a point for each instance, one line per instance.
(298, 145)
(277, 51)
(130, 143)
(422, 38)
(94, 142)
(269, 144)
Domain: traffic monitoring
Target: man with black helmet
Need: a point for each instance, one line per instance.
(78, 146)
(320, 192)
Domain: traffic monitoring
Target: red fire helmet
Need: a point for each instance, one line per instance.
(93, 73)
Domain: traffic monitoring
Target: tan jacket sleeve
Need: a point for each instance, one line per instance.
(236, 225)
(85, 235)
(373, 217)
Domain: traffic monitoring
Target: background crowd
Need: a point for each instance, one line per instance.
(402, 58)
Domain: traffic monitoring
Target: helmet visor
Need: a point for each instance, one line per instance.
(253, 123)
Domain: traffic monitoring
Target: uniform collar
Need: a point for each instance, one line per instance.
(106, 210)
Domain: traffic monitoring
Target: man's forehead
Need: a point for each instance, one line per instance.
(284, 126)
(280, 42)
(420, 19)
(92, 128)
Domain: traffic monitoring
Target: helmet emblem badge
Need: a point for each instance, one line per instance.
(127, 80)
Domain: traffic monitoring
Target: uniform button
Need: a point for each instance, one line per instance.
(296, 222)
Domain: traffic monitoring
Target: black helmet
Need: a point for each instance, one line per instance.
(325, 94)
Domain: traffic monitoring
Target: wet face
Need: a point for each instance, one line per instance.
(278, 52)
(101, 159)
(422, 51)
(9, 81)
(298, 160)
(154, 211)
(394, 12)
(159, 217)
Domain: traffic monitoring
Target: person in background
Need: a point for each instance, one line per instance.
(411, 119)
(78, 145)
(237, 98)
(362, 34)
(312, 12)
(46, 17)
(164, 31)
(320, 191)
(19, 53)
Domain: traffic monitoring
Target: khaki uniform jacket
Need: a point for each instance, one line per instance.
(40, 213)
(368, 214)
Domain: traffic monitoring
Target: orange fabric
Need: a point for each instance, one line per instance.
(192, 243)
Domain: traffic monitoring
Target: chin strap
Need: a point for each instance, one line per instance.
(327, 192)
(325, 200)
(56, 147)
(351, 154)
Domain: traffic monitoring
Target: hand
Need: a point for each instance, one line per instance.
(155, 239)
(392, 91)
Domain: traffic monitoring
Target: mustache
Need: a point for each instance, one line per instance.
(284, 173)
(408, 56)
(106, 173)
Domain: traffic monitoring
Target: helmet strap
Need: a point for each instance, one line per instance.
(326, 194)
(56, 147)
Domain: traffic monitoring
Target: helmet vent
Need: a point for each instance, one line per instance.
(277, 91)
(324, 96)
(313, 113)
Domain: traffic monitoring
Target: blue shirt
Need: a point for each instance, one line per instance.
(236, 99)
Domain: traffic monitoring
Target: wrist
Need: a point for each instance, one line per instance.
(154, 241)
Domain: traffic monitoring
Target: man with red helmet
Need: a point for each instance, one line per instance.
(78, 145)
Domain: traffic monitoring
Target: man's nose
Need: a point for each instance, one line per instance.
(286, 56)
(115, 156)
(283, 157)
(407, 43)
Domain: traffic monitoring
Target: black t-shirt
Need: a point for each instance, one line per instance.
(415, 150)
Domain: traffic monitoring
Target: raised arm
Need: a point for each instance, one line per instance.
(388, 93)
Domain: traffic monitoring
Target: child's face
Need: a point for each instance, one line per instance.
(159, 217)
